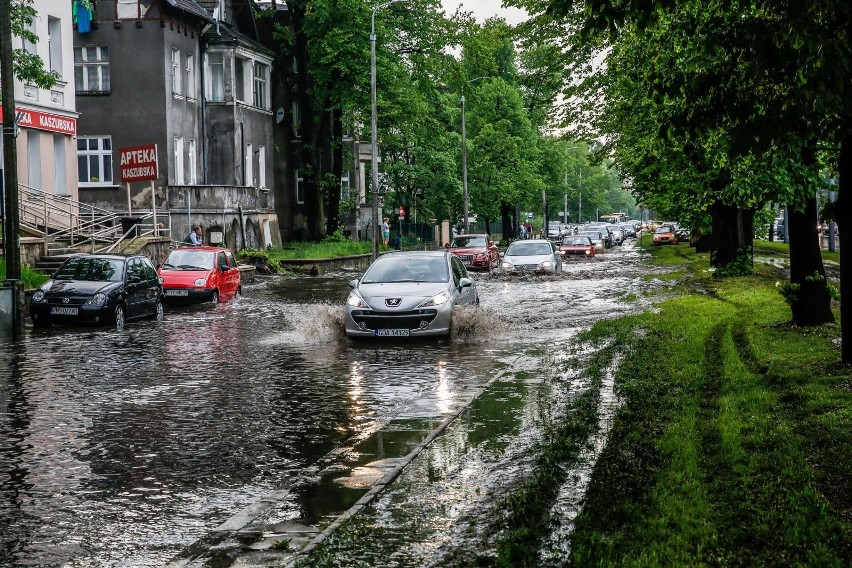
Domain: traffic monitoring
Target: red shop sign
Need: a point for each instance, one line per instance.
(138, 163)
(45, 121)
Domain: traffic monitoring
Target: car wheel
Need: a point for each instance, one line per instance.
(118, 316)
(159, 312)
(214, 299)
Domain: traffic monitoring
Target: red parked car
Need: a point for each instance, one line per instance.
(477, 252)
(577, 245)
(200, 274)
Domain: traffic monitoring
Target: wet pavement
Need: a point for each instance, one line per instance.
(252, 425)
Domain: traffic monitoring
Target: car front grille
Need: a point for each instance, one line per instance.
(465, 258)
(72, 301)
(526, 267)
(411, 319)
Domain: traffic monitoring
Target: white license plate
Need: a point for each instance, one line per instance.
(64, 311)
(392, 333)
(177, 292)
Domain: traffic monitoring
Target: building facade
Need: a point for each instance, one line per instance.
(182, 75)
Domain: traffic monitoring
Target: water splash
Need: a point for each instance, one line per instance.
(471, 323)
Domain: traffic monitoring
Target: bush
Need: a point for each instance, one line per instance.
(260, 260)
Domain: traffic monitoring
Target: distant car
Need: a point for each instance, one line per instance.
(200, 274)
(682, 234)
(664, 234)
(530, 256)
(578, 245)
(629, 229)
(477, 252)
(98, 289)
(408, 294)
(596, 237)
(555, 230)
(617, 234)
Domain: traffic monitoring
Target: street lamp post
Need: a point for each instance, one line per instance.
(375, 152)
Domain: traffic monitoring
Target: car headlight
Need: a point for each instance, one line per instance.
(545, 264)
(588, 251)
(507, 266)
(201, 282)
(38, 296)
(480, 255)
(98, 299)
(436, 300)
(355, 301)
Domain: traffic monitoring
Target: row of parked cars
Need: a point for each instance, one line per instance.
(105, 288)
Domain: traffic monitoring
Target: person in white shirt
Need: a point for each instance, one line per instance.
(195, 236)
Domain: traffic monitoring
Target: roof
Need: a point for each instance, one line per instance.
(193, 7)
(226, 33)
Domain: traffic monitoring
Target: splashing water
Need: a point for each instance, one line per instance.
(475, 323)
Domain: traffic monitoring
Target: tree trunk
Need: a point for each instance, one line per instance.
(336, 150)
(843, 213)
(812, 304)
(732, 235)
(506, 216)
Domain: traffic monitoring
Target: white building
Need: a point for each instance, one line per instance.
(47, 151)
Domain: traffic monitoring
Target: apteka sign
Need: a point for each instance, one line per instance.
(139, 163)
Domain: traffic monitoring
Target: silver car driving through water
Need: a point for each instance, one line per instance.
(408, 294)
(532, 256)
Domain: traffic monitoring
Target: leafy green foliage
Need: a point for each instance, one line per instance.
(28, 67)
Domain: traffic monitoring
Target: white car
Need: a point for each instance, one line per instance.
(408, 294)
(531, 256)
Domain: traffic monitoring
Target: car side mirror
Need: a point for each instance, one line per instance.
(465, 283)
(223, 267)
(353, 284)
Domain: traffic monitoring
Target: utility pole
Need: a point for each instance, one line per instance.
(10, 154)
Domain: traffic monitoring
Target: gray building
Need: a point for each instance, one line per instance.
(187, 76)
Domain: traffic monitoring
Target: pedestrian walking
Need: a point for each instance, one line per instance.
(386, 231)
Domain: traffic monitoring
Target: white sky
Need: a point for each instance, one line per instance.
(484, 9)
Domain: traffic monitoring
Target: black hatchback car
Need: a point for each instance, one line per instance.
(97, 289)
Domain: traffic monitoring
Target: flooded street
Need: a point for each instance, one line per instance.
(157, 444)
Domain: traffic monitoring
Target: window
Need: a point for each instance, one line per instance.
(188, 74)
(193, 179)
(300, 188)
(127, 9)
(59, 164)
(261, 80)
(261, 167)
(297, 118)
(344, 185)
(178, 150)
(216, 90)
(176, 73)
(34, 159)
(249, 179)
(28, 46)
(239, 79)
(54, 43)
(91, 69)
(94, 160)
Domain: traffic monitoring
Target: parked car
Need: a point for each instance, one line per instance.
(532, 255)
(682, 234)
(98, 289)
(477, 252)
(200, 274)
(664, 234)
(578, 245)
(408, 294)
(629, 229)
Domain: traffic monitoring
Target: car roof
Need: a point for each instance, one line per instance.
(105, 256)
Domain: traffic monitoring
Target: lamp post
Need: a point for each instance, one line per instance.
(375, 153)
(464, 158)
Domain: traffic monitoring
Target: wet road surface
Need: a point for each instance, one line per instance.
(130, 448)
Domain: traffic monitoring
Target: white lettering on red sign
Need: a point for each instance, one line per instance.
(27, 118)
(138, 163)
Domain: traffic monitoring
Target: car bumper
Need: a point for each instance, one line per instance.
(425, 322)
(187, 295)
(86, 314)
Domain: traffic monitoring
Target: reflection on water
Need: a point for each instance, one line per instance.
(120, 448)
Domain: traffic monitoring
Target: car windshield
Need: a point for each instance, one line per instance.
(663, 229)
(469, 242)
(188, 259)
(529, 249)
(593, 235)
(575, 241)
(92, 269)
(396, 268)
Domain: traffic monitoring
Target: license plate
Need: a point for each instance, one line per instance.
(64, 311)
(392, 333)
(177, 292)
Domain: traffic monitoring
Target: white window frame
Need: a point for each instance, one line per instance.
(34, 159)
(216, 88)
(189, 73)
(193, 176)
(86, 67)
(59, 168)
(299, 188)
(261, 167)
(54, 44)
(104, 161)
(296, 114)
(260, 82)
(178, 161)
(249, 166)
(176, 72)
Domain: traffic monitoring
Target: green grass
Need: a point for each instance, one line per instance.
(292, 251)
(31, 278)
(731, 445)
(776, 248)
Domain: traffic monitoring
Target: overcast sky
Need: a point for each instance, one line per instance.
(484, 9)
